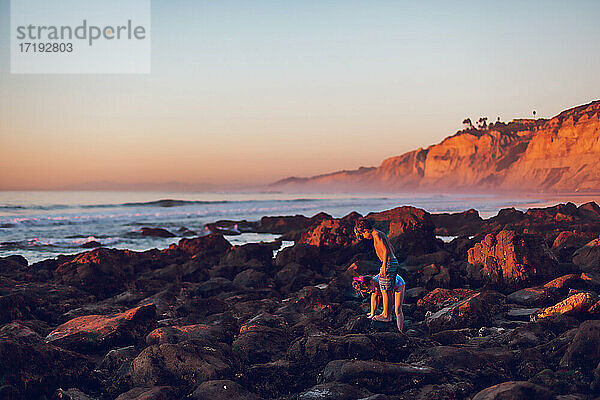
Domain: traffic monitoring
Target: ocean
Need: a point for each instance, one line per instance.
(41, 225)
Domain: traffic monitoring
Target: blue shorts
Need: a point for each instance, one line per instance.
(392, 280)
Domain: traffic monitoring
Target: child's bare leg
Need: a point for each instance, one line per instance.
(399, 299)
(374, 304)
(385, 315)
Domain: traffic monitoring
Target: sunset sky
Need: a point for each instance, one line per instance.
(247, 92)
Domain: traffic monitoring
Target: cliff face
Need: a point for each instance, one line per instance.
(562, 153)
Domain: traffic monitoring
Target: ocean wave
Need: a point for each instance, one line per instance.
(155, 203)
(170, 203)
(51, 243)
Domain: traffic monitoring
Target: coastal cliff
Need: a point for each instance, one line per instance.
(558, 154)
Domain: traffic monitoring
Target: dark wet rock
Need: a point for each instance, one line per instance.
(329, 233)
(473, 312)
(438, 257)
(20, 260)
(92, 244)
(567, 242)
(414, 293)
(318, 350)
(378, 376)
(509, 261)
(250, 278)
(183, 364)
(584, 350)
(439, 297)
(534, 296)
(566, 282)
(183, 231)
(294, 277)
(102, 272)
(222, 390)
(579, 303)
(334, 391)
(93, 333)
(10, 267)
(21, 331)
(38, 369)
(483, 367)
(288, 224)
(176, 334)
(454, 390)
(352, 217)
(71, 394)
(436, 276)
(214, 286)
(277, 378)
(521, 314)
(589, 210)
(229, 225)
(457, 224)
(115, 358)
(410, 229)
(588, 257)
(454, 336)
(252, 255)
(323, 246)
(262, 339)
(24, 304)
(156, 232)
(211, 246)
(150, 393)
(514, 390)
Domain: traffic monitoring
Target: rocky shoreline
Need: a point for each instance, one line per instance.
(509, 309)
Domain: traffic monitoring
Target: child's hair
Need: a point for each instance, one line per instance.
(363, 225)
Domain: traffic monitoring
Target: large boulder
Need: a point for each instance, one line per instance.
(102, 272)
(334, 391)
(440, 297)
(150, 393)
(378, 376)
(538, 296)
(262, 339)
(578, 303)
(32, 369)
(223, 389)
(185, 364)
(567, 242)
(94, 333)
(316, 351)
(258, 256)
(329, 232)
(156, 232)
(323, 246)
(515, 390)
(590, 211)
(584, 350)
(482, 367)
(588, 257)
(411, 230)
(210, 246)
(457, 224)
(294, 277)
(509, 261)
(475, 311)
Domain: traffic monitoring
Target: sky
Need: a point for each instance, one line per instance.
(248, 92)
